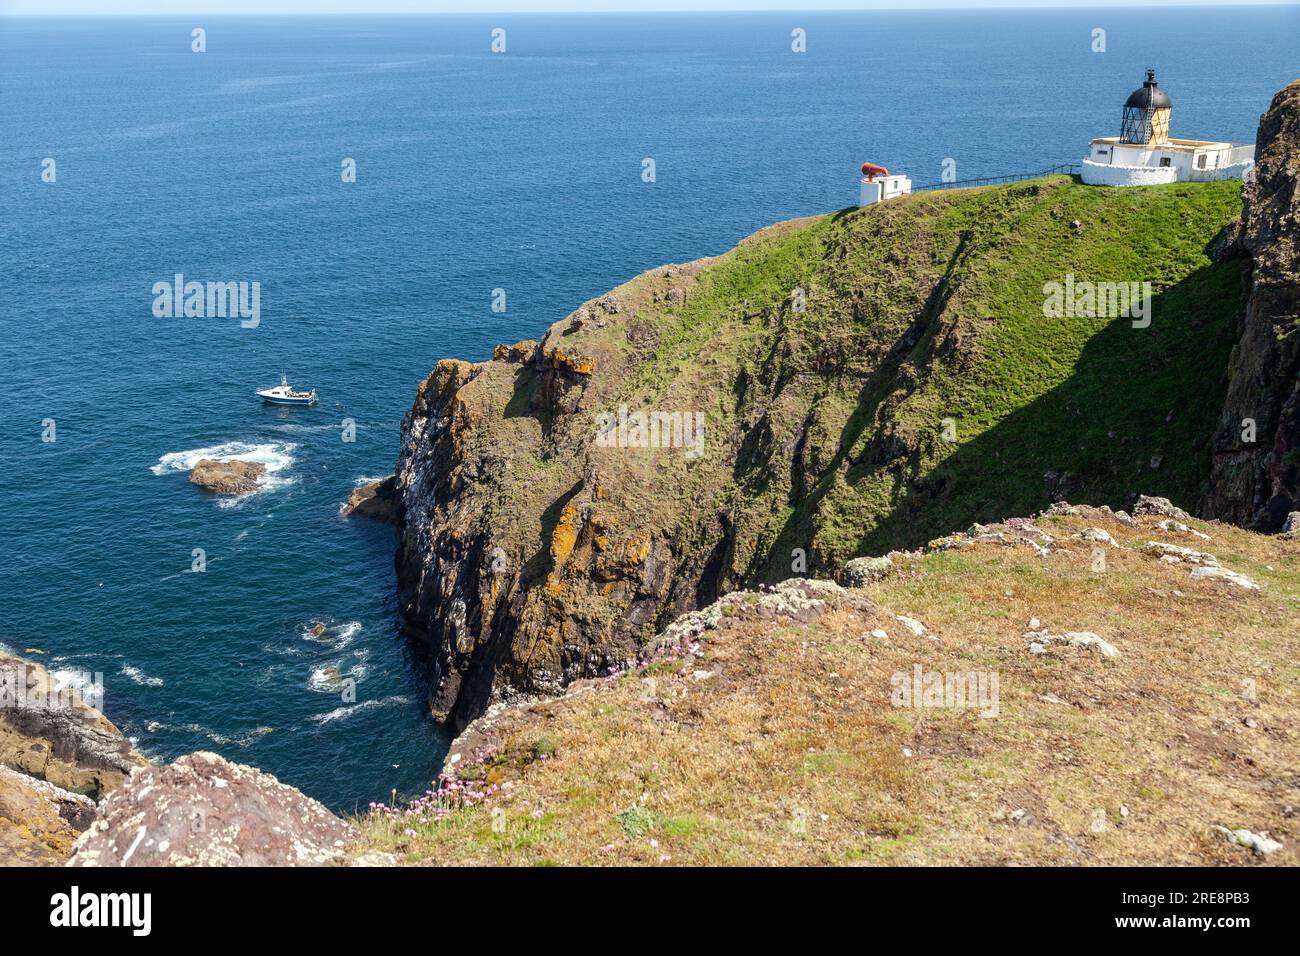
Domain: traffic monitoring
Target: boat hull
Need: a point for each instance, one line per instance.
(287, 401)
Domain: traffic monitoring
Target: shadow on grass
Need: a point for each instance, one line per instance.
(1136, 415)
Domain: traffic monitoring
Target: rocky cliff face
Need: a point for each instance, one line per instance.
(832, 387)
(1256, 477)
(58, 756)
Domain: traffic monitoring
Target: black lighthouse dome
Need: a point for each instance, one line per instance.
(1146, 114)
(1149, 96)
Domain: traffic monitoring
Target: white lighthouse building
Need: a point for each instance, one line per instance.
(1144, 155)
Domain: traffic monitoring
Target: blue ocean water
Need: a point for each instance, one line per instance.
(475, 171)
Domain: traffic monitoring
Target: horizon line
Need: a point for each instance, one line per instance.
(868, 7)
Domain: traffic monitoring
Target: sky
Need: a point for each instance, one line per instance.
(81, 7)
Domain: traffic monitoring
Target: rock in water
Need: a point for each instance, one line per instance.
(203, 810)
(377, 500)
(227, 477)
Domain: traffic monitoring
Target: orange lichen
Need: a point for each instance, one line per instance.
(573, 364)
(563, 538)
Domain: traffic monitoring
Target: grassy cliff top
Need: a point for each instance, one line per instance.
(867, 380)
(778, 741)
(875, 377)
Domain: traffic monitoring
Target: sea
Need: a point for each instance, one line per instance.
(404, 189)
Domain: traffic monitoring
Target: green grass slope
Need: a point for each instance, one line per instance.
(931, 309)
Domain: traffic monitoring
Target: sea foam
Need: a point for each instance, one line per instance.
(276, 456)
(350, 709)
(140, 677)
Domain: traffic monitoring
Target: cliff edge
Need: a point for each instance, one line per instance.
(1256, 476)
(834, 386)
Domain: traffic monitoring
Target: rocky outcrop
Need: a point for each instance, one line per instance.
(1256, 476)
(227, 477)
(58, 755)
(39, 821)
(794, 602)
(519, 567)
(376, 500)
(203, 810)
(52, 733)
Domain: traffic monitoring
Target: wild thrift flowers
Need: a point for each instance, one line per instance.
(448, 794)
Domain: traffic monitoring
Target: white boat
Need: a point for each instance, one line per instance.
(283, 394)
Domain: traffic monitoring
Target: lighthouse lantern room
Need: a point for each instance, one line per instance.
(1144, 155)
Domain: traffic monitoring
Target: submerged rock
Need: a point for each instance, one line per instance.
(227, 477)
(377, 500)
(203, 810)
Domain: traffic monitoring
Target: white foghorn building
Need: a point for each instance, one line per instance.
(878, 184)
(1144, 155)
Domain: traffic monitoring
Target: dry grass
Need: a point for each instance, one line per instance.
(791, 752)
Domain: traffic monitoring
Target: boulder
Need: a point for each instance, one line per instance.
(1176, 552)
(1224, 574)
(862, 571)
(377, 500)
(1159, 506)
(203, 810)
(1257, 842)
(227, 477)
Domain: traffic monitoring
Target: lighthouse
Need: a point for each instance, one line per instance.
(1143, 154)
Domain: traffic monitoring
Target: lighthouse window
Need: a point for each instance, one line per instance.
(1165, 161)
(1200, 161)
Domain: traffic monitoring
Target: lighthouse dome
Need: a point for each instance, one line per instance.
(1149, 96)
